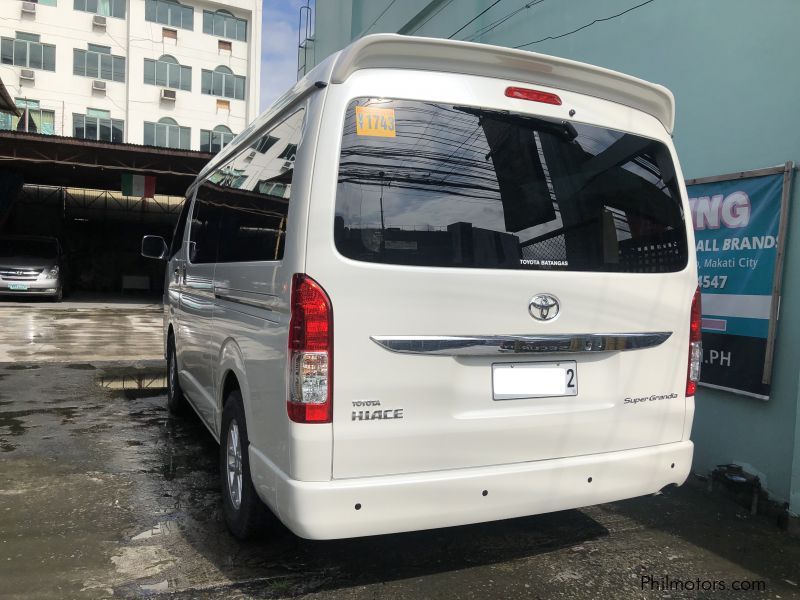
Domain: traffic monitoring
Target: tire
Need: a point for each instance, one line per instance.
(59, 295)
(176, 403)
(245, 514)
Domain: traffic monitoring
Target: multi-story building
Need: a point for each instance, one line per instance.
(154, 72)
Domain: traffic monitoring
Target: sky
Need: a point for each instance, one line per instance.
(278, 48)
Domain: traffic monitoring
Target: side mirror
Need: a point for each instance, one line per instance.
(154, 246)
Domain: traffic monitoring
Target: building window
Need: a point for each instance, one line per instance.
(27, 51)
(169, 12)
(97, 125)
(289, 152)
(45, 2)
(167, 72)
(272, 189)
(99, 63)
(34, 119)
(265, 143)
(216, 140)
(223, 24)
(107, 8)
(167, 134)
(222, 82)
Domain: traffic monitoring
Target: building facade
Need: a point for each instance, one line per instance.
(153, 72)
(731, 66)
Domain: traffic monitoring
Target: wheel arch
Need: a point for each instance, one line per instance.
(231, 377)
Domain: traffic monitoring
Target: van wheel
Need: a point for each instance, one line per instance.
(244, 512)
(176, 403)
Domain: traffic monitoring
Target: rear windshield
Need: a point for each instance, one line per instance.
(455, 186)
(28, 248)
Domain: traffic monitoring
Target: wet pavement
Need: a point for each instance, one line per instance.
(103, 494)
(76, 331)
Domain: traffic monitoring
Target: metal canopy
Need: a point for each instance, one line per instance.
(71, 162)
(7, 104)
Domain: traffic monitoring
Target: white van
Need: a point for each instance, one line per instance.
(438, 283)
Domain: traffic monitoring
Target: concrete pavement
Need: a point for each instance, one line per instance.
(91, 328)
(102, 494)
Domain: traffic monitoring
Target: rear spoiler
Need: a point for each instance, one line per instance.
(392, 51)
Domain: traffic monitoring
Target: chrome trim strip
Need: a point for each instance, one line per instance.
(491, 345)
(220, 294)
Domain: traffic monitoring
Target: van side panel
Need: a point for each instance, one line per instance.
(252, 315)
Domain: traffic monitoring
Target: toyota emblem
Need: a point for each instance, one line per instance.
(544, 307)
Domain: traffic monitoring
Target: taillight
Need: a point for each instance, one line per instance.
(533, 95)
(310, 353)
(695, 346)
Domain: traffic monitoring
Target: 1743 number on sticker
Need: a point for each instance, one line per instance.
(377, 122)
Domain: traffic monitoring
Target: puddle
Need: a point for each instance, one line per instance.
(21, 367)
(161, 586)
(161, 528)
(82, 367)
(14, 420)
(15, 425)
(134, 383)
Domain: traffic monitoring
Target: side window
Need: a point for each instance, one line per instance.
(204, 234)
(249, 198)
(180, 227)
(250, 230)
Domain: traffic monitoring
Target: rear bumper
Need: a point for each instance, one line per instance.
(392, 504)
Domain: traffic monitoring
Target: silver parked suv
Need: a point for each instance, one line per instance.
(31, 266)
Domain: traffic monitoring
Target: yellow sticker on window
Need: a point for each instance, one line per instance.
(375, 121)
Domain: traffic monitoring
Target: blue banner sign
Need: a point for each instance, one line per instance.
(736, 225)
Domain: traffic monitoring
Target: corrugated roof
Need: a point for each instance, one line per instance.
(7, 104)
(65, 161)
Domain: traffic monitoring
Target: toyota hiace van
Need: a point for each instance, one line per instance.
(438, 283)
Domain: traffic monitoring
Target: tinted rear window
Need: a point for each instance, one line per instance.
(454, 186)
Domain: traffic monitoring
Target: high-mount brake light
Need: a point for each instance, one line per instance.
(695, 345)
(533, 95)
(310, 353)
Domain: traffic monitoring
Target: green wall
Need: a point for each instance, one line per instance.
(733, 67)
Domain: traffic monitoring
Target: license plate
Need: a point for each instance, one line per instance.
(18, 286)
(511, 381)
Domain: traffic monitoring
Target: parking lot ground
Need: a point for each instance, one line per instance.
(102, 494)
(83, 328)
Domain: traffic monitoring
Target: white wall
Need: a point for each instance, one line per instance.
(136, 39)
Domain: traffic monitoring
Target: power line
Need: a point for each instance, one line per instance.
(495, 24)
(378, 18)
(475, 18)
(430, 16)
(556, 37)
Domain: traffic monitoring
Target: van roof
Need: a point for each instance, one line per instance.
(393, 51)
